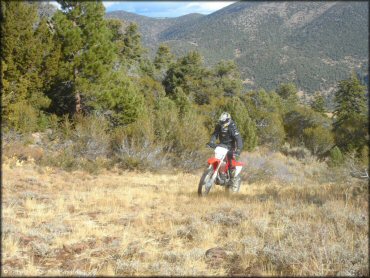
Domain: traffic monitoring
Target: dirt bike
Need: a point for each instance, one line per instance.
(218, 172)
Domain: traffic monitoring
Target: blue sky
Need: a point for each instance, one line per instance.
(166, 9)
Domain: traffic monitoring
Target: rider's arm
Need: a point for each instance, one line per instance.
(238, 138)
(215, 134)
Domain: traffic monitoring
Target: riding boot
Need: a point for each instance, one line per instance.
(235, 180)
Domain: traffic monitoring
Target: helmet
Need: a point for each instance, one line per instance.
(224, 119)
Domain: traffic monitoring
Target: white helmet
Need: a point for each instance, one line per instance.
(224, 119)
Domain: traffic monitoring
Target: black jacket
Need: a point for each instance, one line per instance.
(228, 135)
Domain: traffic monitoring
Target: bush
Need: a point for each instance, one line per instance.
(318, 140)
(301, 153)
(134, 152)
(23, 117)
(336, 157)
(166, 122)
(91, 137)
(364, 156)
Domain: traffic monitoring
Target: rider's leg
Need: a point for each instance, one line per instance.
(235, 180)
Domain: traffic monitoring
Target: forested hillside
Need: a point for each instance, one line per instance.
(313, 44)
(89, 81)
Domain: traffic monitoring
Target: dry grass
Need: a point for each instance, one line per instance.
(125, 223)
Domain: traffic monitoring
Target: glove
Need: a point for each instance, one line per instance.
(211, 145)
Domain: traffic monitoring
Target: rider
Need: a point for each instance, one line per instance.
(229, 135)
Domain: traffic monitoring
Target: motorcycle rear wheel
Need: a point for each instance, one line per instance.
(202, 189)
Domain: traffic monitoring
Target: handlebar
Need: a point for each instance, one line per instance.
(213, 146)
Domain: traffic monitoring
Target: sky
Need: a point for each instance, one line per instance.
(165, 9)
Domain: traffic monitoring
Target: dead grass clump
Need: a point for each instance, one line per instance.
(24, 152)
(227, 218)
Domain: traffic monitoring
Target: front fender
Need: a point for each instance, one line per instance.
(214, 162)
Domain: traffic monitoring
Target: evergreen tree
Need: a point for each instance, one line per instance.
(351, 115)
(228, 78)
(27, 46)
(288, 93)
(266, 111)
(318, 140)
(132, 49)
(194, 79)
(246, 126)
(163, 57)
(318, 103)
(301, 118)
(87, 55)
(182, 101)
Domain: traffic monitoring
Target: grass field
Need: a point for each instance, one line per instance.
(130, 223)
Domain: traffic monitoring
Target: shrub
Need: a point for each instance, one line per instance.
(301, 153)
(166, 122)
(134, 148)
(91, 137)
(23, 117)
(336, 157)
(364, 156)
(318, 140)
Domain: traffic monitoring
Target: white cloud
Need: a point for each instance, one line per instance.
(56, 4)
(110, 3)
(209, 6)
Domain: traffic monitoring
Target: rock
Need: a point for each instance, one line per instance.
(76, 248)
(216, 253)
(37, 138)
(25, 240)
(215, 256)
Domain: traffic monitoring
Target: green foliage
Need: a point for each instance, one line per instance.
(147, 113)
(163, 57)
(151, 89)
(228, 78)
(364, 156)
(246, 126)
(266, 111)
(191, 134)
(87, 55)
(166, 122)
(182, 101)
(351, 115)
(336, 157)
(27, 68)
(318, 140)
(121, 99)
(318, 104)
(132, 49)
(191, 76)
(301, 118)
(288, 93)
(22, 117)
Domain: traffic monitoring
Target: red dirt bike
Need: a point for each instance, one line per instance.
(218, 172)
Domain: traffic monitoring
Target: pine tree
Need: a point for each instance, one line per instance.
(266, 111)
(318, 103)
(288, 93)
(351, 115)
(246, 126)
(87, 55)
(26, 44)
(132, 49)
(163, 57)
(228, 78)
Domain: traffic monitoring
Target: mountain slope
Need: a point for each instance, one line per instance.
(313, 44)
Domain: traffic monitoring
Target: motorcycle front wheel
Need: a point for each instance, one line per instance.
(203, 190)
